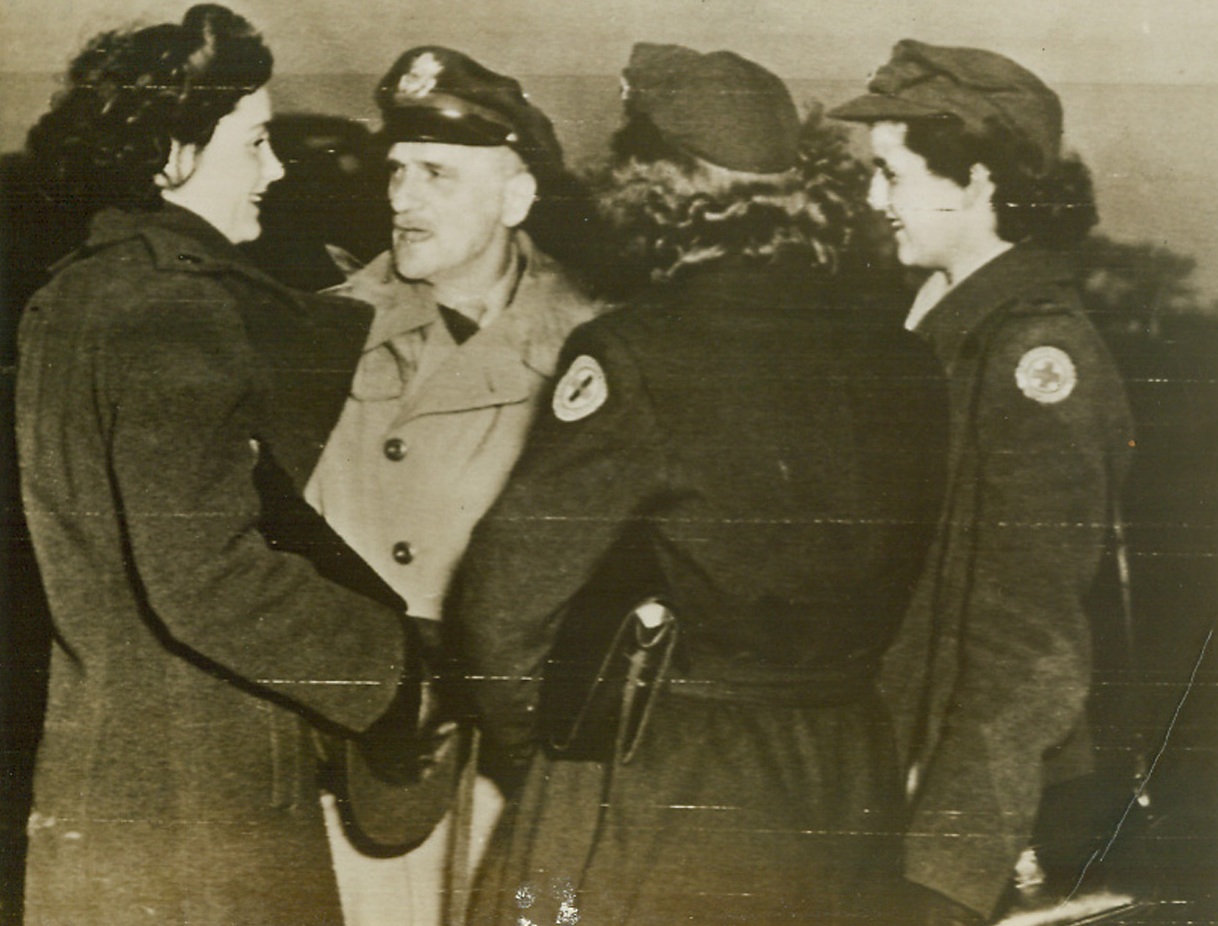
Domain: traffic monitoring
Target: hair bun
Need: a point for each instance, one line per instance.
(207, 26)
(132, 92)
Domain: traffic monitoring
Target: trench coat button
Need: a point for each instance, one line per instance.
(395, 449)
(402, 553)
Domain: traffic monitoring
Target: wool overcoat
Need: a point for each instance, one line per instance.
(990, 674)
(770, 467)
(170, 397)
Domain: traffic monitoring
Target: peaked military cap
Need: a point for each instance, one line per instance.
(719, 106)
(440, 95)
(970, 84)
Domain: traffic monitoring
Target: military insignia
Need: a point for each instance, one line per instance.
(1046, 375)
(420, 80)
(582, 390)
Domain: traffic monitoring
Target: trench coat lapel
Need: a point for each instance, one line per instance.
(487, 370)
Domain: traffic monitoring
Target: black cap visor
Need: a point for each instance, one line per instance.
(447, 127)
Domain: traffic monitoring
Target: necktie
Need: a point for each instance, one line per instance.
(460, 326)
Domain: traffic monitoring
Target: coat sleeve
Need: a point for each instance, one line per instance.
(185, 402)
(1020, 569)
(577, 486)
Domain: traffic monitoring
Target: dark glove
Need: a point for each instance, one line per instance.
(396, 788)
(404, 742)
(391, 746)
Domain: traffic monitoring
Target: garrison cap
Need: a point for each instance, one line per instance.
(718, 107)
(439, 95)
(973, 85)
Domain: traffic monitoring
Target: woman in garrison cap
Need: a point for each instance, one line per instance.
(738, 448)
(989, 677)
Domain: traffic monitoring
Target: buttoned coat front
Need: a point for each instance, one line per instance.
(167, 393)
(432, 429)
(990, 674)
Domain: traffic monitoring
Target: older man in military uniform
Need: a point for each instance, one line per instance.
(470, 316)
(991, 673)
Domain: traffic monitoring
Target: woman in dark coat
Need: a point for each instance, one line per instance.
(171, 399)
(762, 458)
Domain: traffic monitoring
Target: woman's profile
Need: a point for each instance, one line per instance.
(170, 400)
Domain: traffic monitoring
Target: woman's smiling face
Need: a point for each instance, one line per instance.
(230, 174)
(926, 211)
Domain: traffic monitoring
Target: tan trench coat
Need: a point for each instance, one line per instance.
(432, 430)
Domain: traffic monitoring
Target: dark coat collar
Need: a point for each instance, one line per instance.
(178, 240)
(787, 284)
(1010, 277)
(309, 344)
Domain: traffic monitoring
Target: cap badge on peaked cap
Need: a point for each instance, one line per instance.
(440, 95)
(420, 80)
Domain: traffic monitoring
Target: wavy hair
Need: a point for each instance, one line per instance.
(667, 212)
(1051, 204)
(130, 93)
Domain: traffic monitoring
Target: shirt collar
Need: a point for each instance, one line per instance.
(539, 307)
(490, 306)
(405, 305)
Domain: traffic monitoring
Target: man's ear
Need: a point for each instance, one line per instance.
(179, 165)
(518, 195)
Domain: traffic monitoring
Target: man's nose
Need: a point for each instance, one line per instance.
(403, 192)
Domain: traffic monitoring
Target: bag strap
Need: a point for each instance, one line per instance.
(459, 854)
(662, 638)
(661, 635)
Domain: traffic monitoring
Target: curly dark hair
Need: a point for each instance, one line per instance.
(131, 92)
(1052, 204)
(667, 212)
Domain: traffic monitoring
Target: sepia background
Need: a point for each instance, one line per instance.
(1139, 78)
(1139, 82)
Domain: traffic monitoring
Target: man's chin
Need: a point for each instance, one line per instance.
(409, 267)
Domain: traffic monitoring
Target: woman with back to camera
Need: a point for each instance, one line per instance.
(171, 400)
(740, 445)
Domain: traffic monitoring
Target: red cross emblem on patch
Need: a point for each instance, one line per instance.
(1046, 375)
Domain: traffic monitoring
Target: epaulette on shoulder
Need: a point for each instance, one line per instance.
(70, 258)
(1058, 299)
(87, 250)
